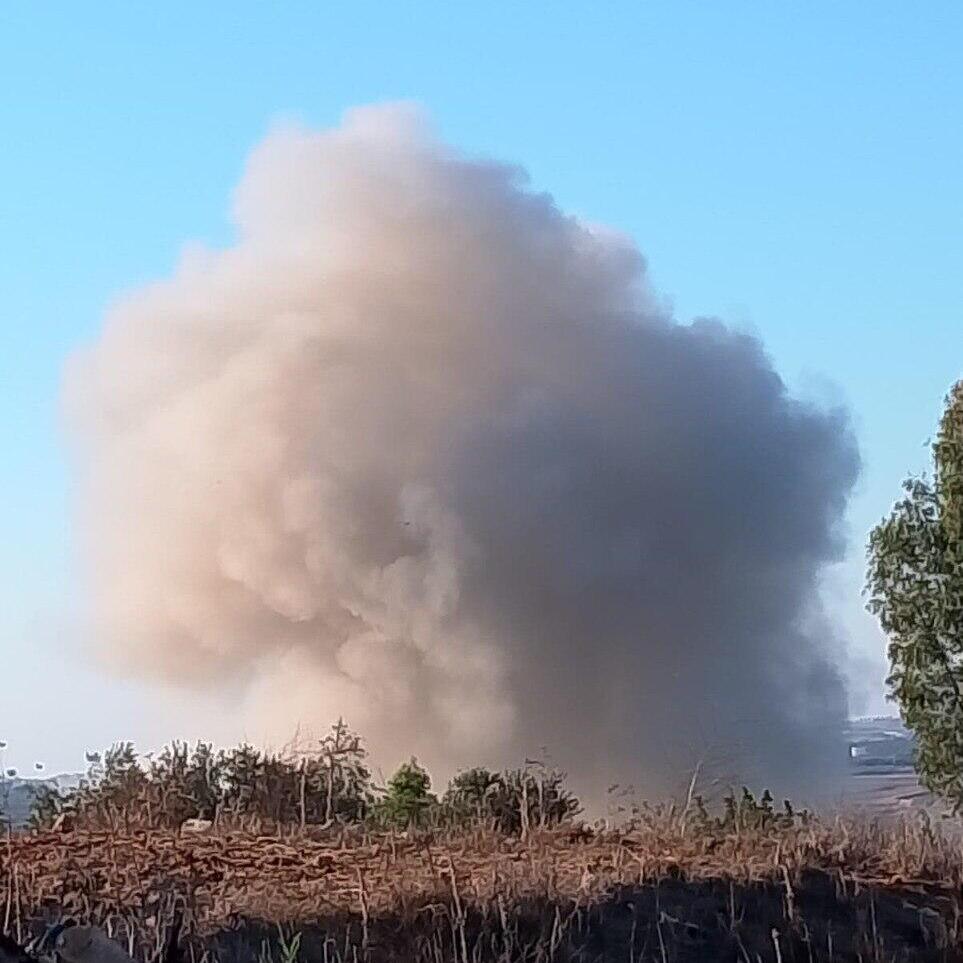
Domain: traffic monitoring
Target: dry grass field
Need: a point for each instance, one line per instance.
(665, 889)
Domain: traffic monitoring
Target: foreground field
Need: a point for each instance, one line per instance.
(662, 891)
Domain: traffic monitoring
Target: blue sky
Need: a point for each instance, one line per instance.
(794, 169)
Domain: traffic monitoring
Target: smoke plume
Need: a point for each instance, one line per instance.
(421, 450)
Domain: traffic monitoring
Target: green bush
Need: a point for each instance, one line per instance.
(513, 801)
(408, 798)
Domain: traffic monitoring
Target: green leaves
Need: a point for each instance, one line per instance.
(914, 586)
(511, 800)
(407, 797)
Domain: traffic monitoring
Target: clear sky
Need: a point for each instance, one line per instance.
(793, 169)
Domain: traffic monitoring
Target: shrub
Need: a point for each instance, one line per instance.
(748, 813)
(327, 781)
(407, 799)
(513, 801)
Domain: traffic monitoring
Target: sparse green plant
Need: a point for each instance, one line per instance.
(289, 946)
(747, 813)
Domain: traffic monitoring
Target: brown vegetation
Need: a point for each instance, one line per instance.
(671, 886)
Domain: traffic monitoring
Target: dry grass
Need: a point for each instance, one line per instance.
(659, 891)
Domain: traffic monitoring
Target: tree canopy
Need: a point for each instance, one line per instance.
(915, 588)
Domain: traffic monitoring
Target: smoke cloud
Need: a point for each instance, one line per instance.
(422, 450)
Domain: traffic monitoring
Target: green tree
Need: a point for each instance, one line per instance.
(408, 796)
(513, 801)
(915, 588)
(471, 795)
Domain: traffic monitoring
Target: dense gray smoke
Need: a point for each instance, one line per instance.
(423, 451)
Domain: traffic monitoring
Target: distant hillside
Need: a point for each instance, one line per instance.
(17, 795)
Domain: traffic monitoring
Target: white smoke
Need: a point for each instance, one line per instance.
(423, 451)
